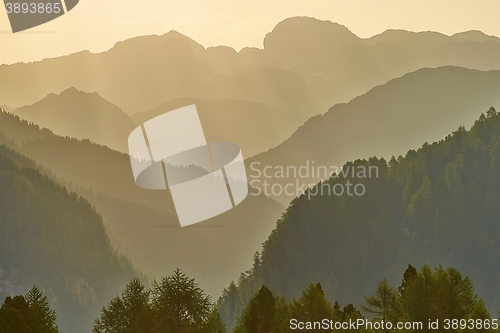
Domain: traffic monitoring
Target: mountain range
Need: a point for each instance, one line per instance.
(83, 116)
(418, 107)
(315, 95)
(142, 224)
(252, 125)
(306, 66)
(389, 119)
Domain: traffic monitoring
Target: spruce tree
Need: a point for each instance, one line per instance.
(28, 314)
(381, 304)
(312, 306)
(129, 313)
(42, 318)
(260, 315)
(214, 323)
(179, 304)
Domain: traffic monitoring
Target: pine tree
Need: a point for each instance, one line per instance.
(13, 315)
(283, 315)
(229, 305)
(179, 304)
(409, 276)
(259, 315)
(381, 304)
(136, 300)
(312, 306)
(42, 318)
(128, 313)
(479, 312)
(28, 314)
(491, 112)
(113, 318)
(214, 323)
(455, 295)
(348, 313)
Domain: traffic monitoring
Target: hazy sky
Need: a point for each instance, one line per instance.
(97, 25)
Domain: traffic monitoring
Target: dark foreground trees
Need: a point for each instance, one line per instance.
(268, 313)
(311, 306)
(265, 313)
(28, 314)
(174, 305)
(437, 294)
(131, 312)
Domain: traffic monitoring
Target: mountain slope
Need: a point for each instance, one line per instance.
(6, 108)
(20, 131)
(436, 205)
(143, 223)
(389, 119)
(279, 88)
(82, 162)
(54, 239)
(83, 116)
(144, 72)
(347, 66)
(296, 38)
(102, 72)
(236, 121)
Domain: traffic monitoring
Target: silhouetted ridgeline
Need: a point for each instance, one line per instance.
(436, 205)
(305, 66)
(142, 224)
(422, 106)
(55, 239)
(81, 115)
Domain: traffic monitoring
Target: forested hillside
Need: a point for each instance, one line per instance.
(436, 205)
(55, 239)
(81, 115)
(421, 106)
(81, 161)
(142, 224)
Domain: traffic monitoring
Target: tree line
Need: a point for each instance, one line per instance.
(176, 304)
(428, 295)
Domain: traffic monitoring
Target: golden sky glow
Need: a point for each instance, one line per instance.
(97, 24)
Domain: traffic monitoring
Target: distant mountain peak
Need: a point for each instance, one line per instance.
(407, 32)
(82, 115)
(71, 90)
(307, 35)
(474, 36)
(311, 23)
(6, 108)
(174, 33)
(427, 40)
(79, 95)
